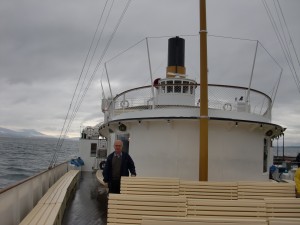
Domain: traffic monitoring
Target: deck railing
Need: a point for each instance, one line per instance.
(17, 200)
(220, 97)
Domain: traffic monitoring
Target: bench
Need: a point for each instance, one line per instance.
(129, 209)
(150, 186)
(160, 220)
(50, 208)
(283, 207)
(284, 221)
(60, 191)
(208, 190)
(261, 190)
(226, 208)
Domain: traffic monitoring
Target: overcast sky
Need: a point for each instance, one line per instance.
(43, 45)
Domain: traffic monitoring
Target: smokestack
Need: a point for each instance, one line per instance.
(175, 57)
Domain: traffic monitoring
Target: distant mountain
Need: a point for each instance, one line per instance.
(22, 133)
(28, 133)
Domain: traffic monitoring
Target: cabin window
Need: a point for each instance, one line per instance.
(163, 87)
(170, 87)
(177, 89)
(185, 89)
(265, 156)
(93, 149)
(192, 89)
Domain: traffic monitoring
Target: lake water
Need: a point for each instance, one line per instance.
(24, 157)
(288, 150)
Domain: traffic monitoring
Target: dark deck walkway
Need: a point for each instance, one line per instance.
(89, 204)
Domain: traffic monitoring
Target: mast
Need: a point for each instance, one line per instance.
(203, 156)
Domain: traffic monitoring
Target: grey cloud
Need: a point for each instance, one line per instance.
(43, 45)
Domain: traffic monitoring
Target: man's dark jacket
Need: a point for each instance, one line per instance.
(127, 165)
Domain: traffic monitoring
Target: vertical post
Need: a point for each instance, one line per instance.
(203, 156)
(252, 71)
(283, 157)
(108, 80)
(277, 147)
(152, 84)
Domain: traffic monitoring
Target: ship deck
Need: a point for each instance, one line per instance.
(89, 204)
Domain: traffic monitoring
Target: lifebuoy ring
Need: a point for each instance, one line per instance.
(227, 107)
(124, 104)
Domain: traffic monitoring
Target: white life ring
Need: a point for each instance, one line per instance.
(227, 107)
(124, 104)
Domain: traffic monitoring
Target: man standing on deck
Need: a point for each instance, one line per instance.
(117, 164)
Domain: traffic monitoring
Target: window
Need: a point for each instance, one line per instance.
(192, 89)
(177, 89)
(93, 149)
(185, 89)
(163, 87)
(170, 87)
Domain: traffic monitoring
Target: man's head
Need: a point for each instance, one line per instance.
(118, 145)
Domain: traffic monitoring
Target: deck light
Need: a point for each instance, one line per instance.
(122, 127)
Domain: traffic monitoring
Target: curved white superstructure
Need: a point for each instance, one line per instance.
(159, 125)
(163, 130)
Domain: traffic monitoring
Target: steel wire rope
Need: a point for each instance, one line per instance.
(280, 41)
(284, 39)
(273, 23)
(195, 35)
(76, 103)
(122, 52)
(70, 121)
(290, 37)
(97, 66)
(97, 44)
(104, 52)
(245, 39)
(286, 42)
(127, 49)
(59, 143)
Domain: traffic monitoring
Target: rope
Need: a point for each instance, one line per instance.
(284, 48)
(78, 104)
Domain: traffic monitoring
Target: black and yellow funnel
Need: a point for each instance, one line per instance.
(176, 57)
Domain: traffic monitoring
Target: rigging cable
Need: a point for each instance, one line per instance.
(281, 42)
(195, 35)
(60, 140)
(78, 105)
(290, 38)
(103, 54)
(286, 43)
(94, 52)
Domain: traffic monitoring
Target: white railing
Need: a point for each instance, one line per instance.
(18, 200)
(220, 97)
